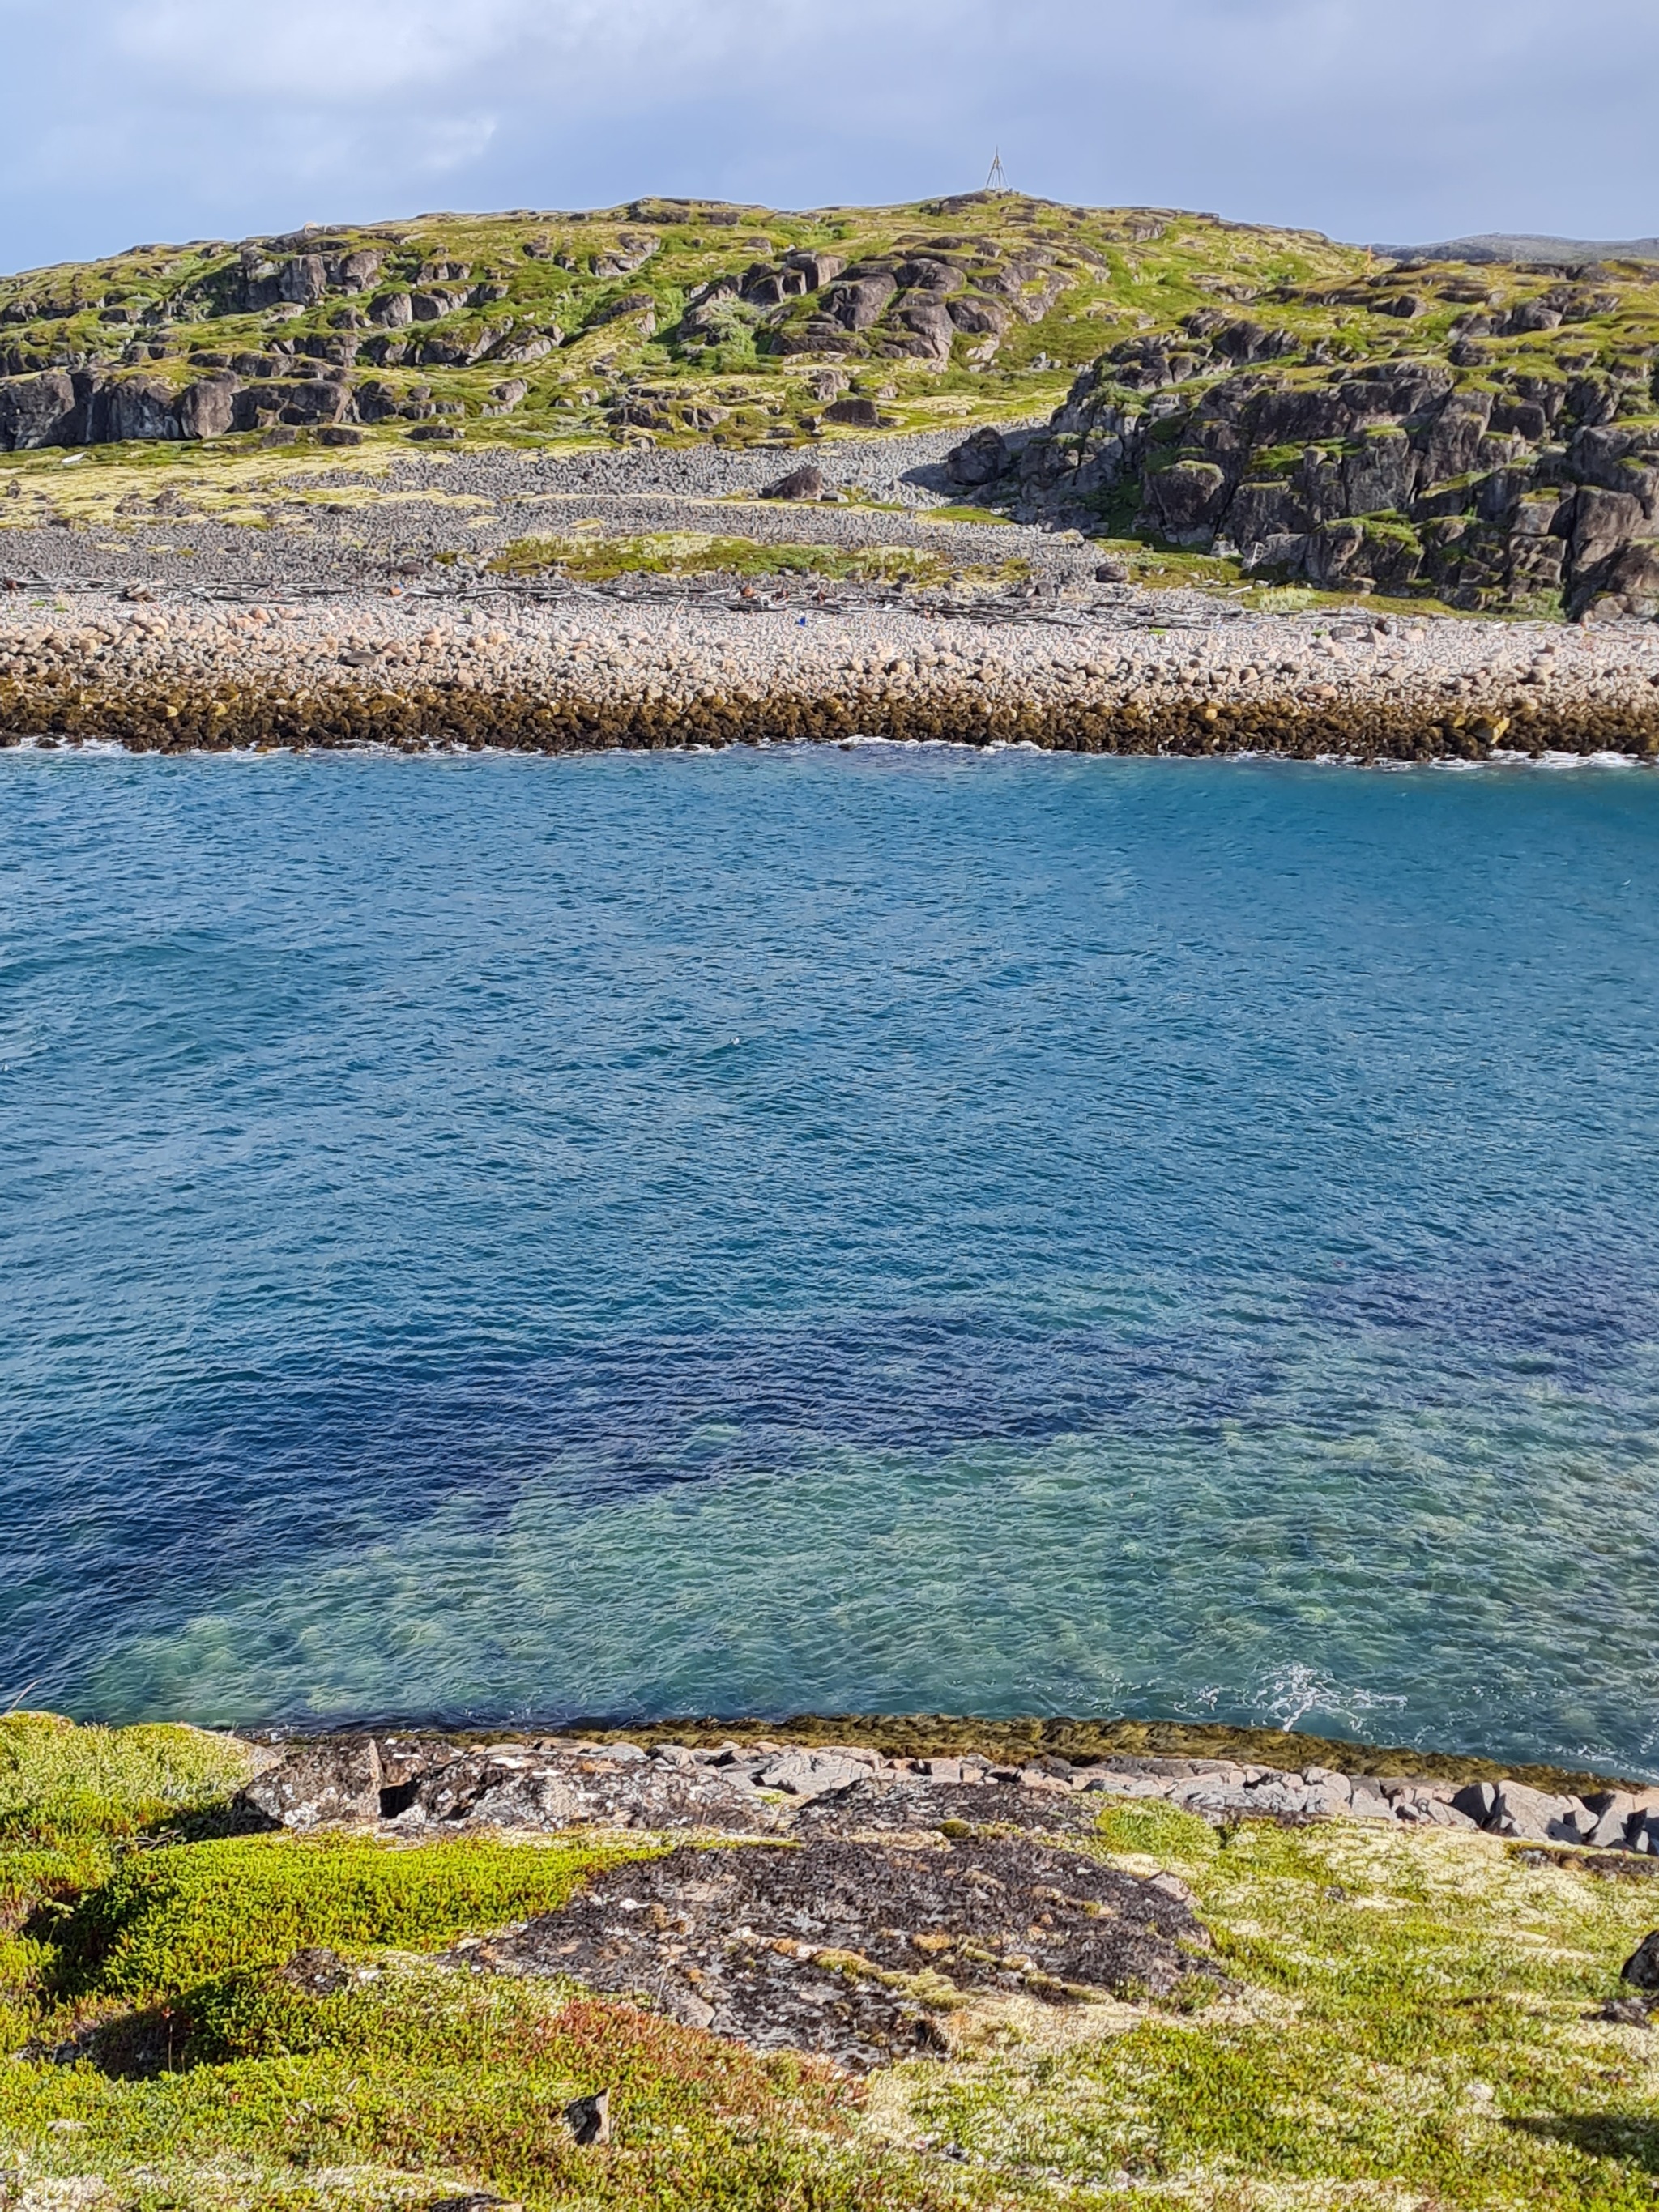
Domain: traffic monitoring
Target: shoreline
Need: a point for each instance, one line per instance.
(555, 671)
(749, 1778)
(1019, 1741)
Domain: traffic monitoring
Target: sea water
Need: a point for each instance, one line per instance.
(832, 1229)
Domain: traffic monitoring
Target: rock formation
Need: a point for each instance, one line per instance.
(1516, 490)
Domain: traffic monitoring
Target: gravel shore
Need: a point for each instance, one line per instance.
(214, 635)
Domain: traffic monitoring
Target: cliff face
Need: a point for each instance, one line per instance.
(1520, 483)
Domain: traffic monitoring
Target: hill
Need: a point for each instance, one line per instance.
(1488, 433)
(1510, 246)
(675, 319)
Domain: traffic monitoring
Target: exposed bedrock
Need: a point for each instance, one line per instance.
(1394, 476)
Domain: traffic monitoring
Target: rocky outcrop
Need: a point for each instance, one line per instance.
(1397, 476)
(92, 407)
(418, 1783)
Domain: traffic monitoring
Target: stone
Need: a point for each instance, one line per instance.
(983, 317)
(590, 2118)
(303, 281)
(811, 1774)
(1186, 498)
(1602, 521)
(207, 410)
(856, 303)
(320, 1784)
(1111, 572)
(1366, 1800)
(815, 266)
(857, 414)
(927, 320)
(801, 483)
(1533, 1816)
(36, 410)
(1641, 1969)
(979, 459)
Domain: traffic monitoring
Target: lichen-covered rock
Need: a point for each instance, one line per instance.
(836, 1947)
(320, 1784)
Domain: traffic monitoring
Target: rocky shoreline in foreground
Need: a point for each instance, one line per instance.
(910, 1880)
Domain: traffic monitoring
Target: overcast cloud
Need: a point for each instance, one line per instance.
(141, 119)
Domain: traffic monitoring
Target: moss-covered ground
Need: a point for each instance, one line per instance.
(195, 2018)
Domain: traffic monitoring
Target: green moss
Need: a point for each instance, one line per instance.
(1407, 2019)
(60, 1781)
(168, 1919)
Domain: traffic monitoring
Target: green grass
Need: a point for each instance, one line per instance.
(1407, 2027)
(1402, 2025)
(58, 1781)
(594, 557)
(167, 1920)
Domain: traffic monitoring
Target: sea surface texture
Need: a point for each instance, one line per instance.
(850, 1229)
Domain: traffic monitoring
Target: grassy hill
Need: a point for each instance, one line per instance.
(683, 320)
(1489, 432)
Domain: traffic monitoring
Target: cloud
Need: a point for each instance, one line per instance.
(177, 116)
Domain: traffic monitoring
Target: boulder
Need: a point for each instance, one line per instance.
(1534, 1816)
(207, 410)
(320, 1784)
(926, 321)
(1454, 437)
(303, 281)
(1641, 1969)
(137, 407)
(858, 413)
(817, 267)
(1258, 512)
(979, 459)
(36, 410)
(1186, 499)
(856, 303)
(354, 272)
(1282, 551)
(1603, 522)
(1381, 476)
(799, 484)
(812, 1774)
(983, 317)
(1616, 1812)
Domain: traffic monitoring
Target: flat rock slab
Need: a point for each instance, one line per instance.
(529, 1791)
(880, 1805)
(851, 1950)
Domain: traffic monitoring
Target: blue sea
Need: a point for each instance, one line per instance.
(891, 1229)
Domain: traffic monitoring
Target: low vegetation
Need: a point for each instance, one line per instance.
(597, 556)
(201, 2019)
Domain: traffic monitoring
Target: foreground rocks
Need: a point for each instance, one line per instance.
(877, 1896)
(856, 1949)
(412, 1786)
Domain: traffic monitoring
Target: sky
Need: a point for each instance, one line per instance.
(1381, 121)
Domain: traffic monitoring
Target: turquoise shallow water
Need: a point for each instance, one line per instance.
(787, 1230)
